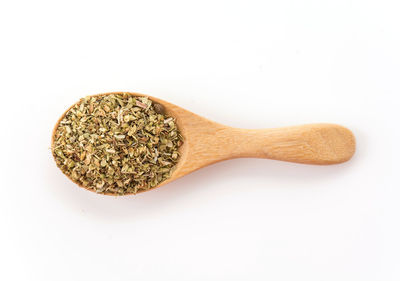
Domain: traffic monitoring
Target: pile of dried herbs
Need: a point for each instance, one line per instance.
(117, 143)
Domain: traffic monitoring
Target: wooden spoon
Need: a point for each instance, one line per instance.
(207, 142)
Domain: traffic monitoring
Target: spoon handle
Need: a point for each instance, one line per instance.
(310, 144)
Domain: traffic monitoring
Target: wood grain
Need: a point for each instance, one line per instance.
(207, 142)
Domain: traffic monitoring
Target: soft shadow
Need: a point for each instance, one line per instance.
(151, 203)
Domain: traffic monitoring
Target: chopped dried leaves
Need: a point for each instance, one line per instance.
(117, 143)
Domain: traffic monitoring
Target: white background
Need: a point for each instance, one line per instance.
(250, 64)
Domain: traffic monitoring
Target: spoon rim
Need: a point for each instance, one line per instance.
(182, 149)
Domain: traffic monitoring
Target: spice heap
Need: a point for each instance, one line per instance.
(117, 143)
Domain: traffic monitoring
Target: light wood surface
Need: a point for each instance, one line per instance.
(207, 142)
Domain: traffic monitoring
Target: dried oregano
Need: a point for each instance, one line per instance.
(117, 143)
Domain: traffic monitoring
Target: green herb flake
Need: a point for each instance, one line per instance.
(117, 144)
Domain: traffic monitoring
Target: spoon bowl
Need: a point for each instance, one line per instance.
(207, 142)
